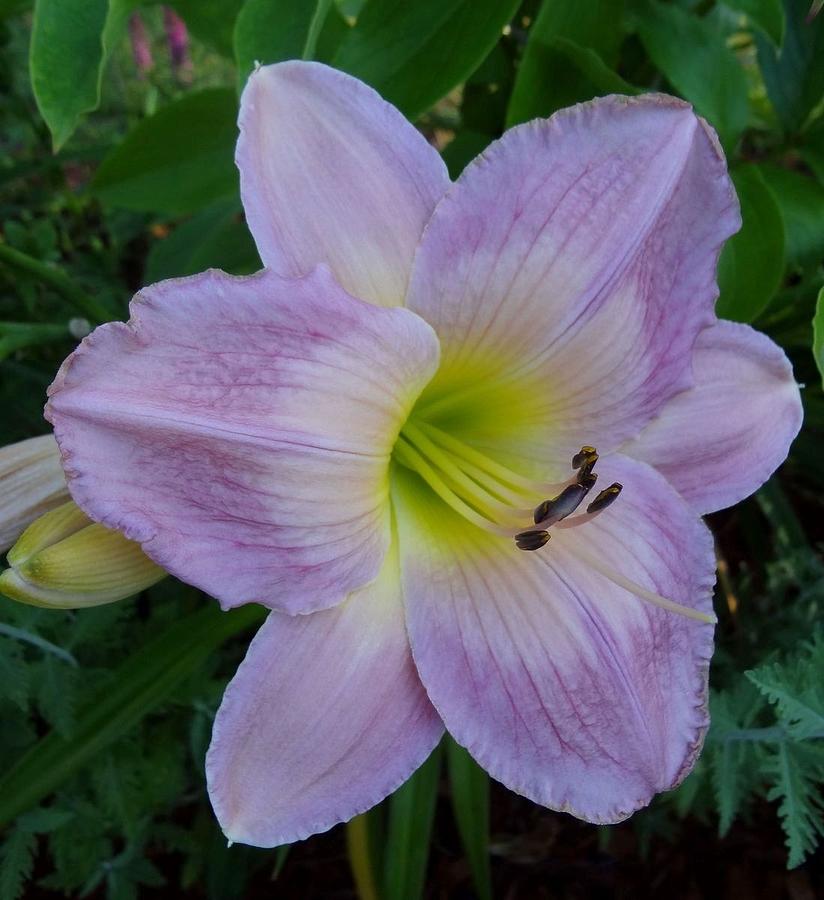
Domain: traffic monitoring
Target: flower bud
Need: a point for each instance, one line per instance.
(31, 483)
(63, 560)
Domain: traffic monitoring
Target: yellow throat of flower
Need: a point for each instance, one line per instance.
(493, 497)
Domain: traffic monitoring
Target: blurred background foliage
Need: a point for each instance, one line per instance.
(117, 131)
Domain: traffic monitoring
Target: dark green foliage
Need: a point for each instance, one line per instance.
(767, 732)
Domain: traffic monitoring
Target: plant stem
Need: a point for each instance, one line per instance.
(85, 304)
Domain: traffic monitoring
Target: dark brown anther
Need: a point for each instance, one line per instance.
(542, 511)
(587, 478)
(605, 498)
(551, 511)
(531, 540)
(585, 458)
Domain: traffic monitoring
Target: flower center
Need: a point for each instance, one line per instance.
(491, 496)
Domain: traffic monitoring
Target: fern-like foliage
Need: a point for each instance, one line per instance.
(767, 740)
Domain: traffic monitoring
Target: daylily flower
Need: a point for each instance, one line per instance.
(31, 483)
(355, 436)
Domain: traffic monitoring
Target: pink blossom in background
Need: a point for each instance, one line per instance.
(391, 437)
(177, 38)
(141, 46)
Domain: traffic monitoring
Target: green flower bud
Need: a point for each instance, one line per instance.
(63, 560)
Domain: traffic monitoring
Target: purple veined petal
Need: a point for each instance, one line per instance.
(562, 685)
(240, 430)
(325, 717)
(723, 438)
(330, 172)
(575, 260)
(31, 483)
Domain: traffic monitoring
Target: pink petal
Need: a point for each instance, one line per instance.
(325, 717)
(576, 258)
(565, 687)
(240, 430)
(31, 483)
(330, 172)
(719, 441)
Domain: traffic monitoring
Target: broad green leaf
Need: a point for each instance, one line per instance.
(216, 237)
(16, 335)
(751, 267)
(137, 687)
(65, 59)
(693, 55)
(211, 21)
(411, 813)
(269, 31)
(818, 333)
(469, 787)
(549, 78)
(794, 76)
(560, 74)
(415, 53)
(70, 44)
(768, 15)
(801, 200)
(176, 161)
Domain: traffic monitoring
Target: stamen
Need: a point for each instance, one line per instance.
(650, 596)
(485, 480)
(531, 540)
(587, 456)
(606, 498)
(490, 466)
(470, 489)
(551, 511)
(408, 456)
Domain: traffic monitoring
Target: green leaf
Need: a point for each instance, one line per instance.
(269, 31)
(16, 862)
(469, 786)
(796, 687)
(693, 55)
(812, 148)
(564, 59)
(797, 770)
(768, 15)
(215, 237)
(137, 687)
(17, 335)
(65, 60)
(411, 813)
(801, 200)
(211, 21)
(818, 333)
(70, 44)
(176, 161)
(794, 76)
(574, 73)
(15, 674)
(415, 53)
(733, 763)
(751, 267)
